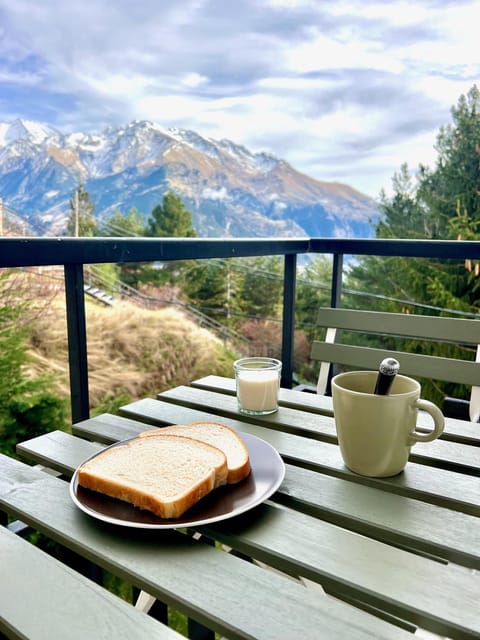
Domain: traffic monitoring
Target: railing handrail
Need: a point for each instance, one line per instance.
(34, 251)
(408, 248)
(74, 253)
(22, 252)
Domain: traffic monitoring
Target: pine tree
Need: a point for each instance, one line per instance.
(170, 219)
(313, 292)
(403, 216)
(206, 285)
(119, 225)
(454, 184)
(261, 287)
(27, 407)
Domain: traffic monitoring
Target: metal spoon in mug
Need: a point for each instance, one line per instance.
(387, 371)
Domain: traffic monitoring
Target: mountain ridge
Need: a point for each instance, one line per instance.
(229, 190)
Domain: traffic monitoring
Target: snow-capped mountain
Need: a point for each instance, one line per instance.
(229, 190)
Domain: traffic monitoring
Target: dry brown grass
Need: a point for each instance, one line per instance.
(132, 352)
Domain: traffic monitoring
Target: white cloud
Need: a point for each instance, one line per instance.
(339, 53)
(193, 79)
(400, 12)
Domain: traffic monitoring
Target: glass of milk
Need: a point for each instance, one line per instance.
(257, 382)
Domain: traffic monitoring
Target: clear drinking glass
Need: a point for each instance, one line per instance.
(257, 382)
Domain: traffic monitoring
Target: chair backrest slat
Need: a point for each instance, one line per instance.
(412, 364)
(457, 331)
(433, 328)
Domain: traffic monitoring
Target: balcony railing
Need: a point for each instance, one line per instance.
(74, 253)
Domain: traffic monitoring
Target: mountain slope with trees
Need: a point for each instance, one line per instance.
(229, 190)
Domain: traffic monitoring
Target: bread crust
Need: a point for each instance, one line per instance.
(163, 509)
(104, 473)
(240, 471)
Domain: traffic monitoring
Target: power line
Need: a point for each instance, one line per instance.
(411, 303)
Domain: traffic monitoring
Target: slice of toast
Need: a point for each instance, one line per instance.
(165, 475)
(218, 435)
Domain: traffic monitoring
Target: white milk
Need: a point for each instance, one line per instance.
(258, 390)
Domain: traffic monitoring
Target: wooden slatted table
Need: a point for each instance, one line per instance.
(329, 555)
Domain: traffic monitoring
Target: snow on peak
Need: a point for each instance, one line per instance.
(218, 148)
(20, 129)
(139, 138)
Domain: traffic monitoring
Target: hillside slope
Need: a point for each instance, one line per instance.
(132, 352)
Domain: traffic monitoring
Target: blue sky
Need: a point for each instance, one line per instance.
(345, 91)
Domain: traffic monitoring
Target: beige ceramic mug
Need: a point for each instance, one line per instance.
(376, 432)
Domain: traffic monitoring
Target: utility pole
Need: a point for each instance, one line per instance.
(229, 291)
(75, 204)
(1, 217)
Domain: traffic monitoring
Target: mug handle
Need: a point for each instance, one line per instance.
(438, 421)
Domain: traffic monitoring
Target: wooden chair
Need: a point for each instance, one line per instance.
(458, 331)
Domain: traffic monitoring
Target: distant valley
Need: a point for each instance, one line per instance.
(230, 191)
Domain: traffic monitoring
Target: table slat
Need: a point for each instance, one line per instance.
(41, 599)
(455, 430)
(441, 597)
(302, 423)
(287, 397)
(409, 523)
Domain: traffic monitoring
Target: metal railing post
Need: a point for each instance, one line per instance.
(335, 301)
(77, 341)
(288, 325)
(337, 272)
